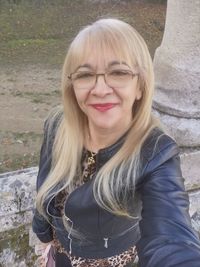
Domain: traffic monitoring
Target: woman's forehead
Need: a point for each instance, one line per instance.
(102, 59)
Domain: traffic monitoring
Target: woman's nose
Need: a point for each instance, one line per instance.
(101, 88)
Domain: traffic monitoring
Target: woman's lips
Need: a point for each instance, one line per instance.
(103, 107)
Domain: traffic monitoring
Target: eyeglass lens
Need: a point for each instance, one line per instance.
(114, 78)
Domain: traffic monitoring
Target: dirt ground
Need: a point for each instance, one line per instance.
(30, 75)
(26, 96)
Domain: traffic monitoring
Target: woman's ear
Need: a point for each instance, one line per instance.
(139, 90)
(138, 94)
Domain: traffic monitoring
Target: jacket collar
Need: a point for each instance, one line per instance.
(107, 153)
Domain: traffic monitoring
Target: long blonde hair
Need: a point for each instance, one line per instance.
(120, 172)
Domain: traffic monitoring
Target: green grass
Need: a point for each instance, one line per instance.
(34, 51)
(40, 33)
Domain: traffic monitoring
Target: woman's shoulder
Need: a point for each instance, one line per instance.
(158, 147)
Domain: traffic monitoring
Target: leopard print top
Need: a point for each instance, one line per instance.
(120, 260)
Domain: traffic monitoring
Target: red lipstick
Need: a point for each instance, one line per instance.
(103, 107)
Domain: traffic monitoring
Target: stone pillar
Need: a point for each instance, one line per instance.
(177, 72)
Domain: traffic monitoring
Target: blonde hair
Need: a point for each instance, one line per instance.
(120, 172)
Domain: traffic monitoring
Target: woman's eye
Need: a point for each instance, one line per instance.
(84, 75)
(119, 73)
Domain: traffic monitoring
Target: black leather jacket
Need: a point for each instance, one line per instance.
(162, 232)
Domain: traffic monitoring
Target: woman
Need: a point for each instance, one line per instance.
(109, 182)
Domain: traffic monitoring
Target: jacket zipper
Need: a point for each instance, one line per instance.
(105, 242)
(69, 235)
(106, 239)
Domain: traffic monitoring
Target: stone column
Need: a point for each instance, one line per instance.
(177, 72)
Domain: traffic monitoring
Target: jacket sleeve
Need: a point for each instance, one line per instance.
(40, 225)
(167, 238)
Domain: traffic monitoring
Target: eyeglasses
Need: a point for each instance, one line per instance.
(117, 78)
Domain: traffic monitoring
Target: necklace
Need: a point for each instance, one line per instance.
(91, 158)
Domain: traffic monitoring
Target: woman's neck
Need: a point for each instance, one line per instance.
(102, 138)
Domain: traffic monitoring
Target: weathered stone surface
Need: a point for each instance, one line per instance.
(177, 61)
(17, 193)
(177, 72)
(184, 130)
(15, 250)
(195, 210)
(190, 163)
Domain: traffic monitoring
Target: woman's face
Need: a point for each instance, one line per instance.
(108, 106)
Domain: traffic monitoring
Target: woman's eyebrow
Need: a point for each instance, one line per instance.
(110, 64)
(113, 63)
(84, 66)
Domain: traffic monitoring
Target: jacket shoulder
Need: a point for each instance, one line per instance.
(50, 128)
(157, 149)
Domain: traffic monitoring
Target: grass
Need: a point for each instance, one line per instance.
(27, 136)
(33, 33)
(9, 138)
(32, 51)
(19, 160)
(36, 97)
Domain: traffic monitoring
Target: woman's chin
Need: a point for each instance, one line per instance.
(106, 124)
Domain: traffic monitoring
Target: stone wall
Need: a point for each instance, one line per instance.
(17, 194)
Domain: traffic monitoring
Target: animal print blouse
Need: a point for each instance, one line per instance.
(121, 260)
